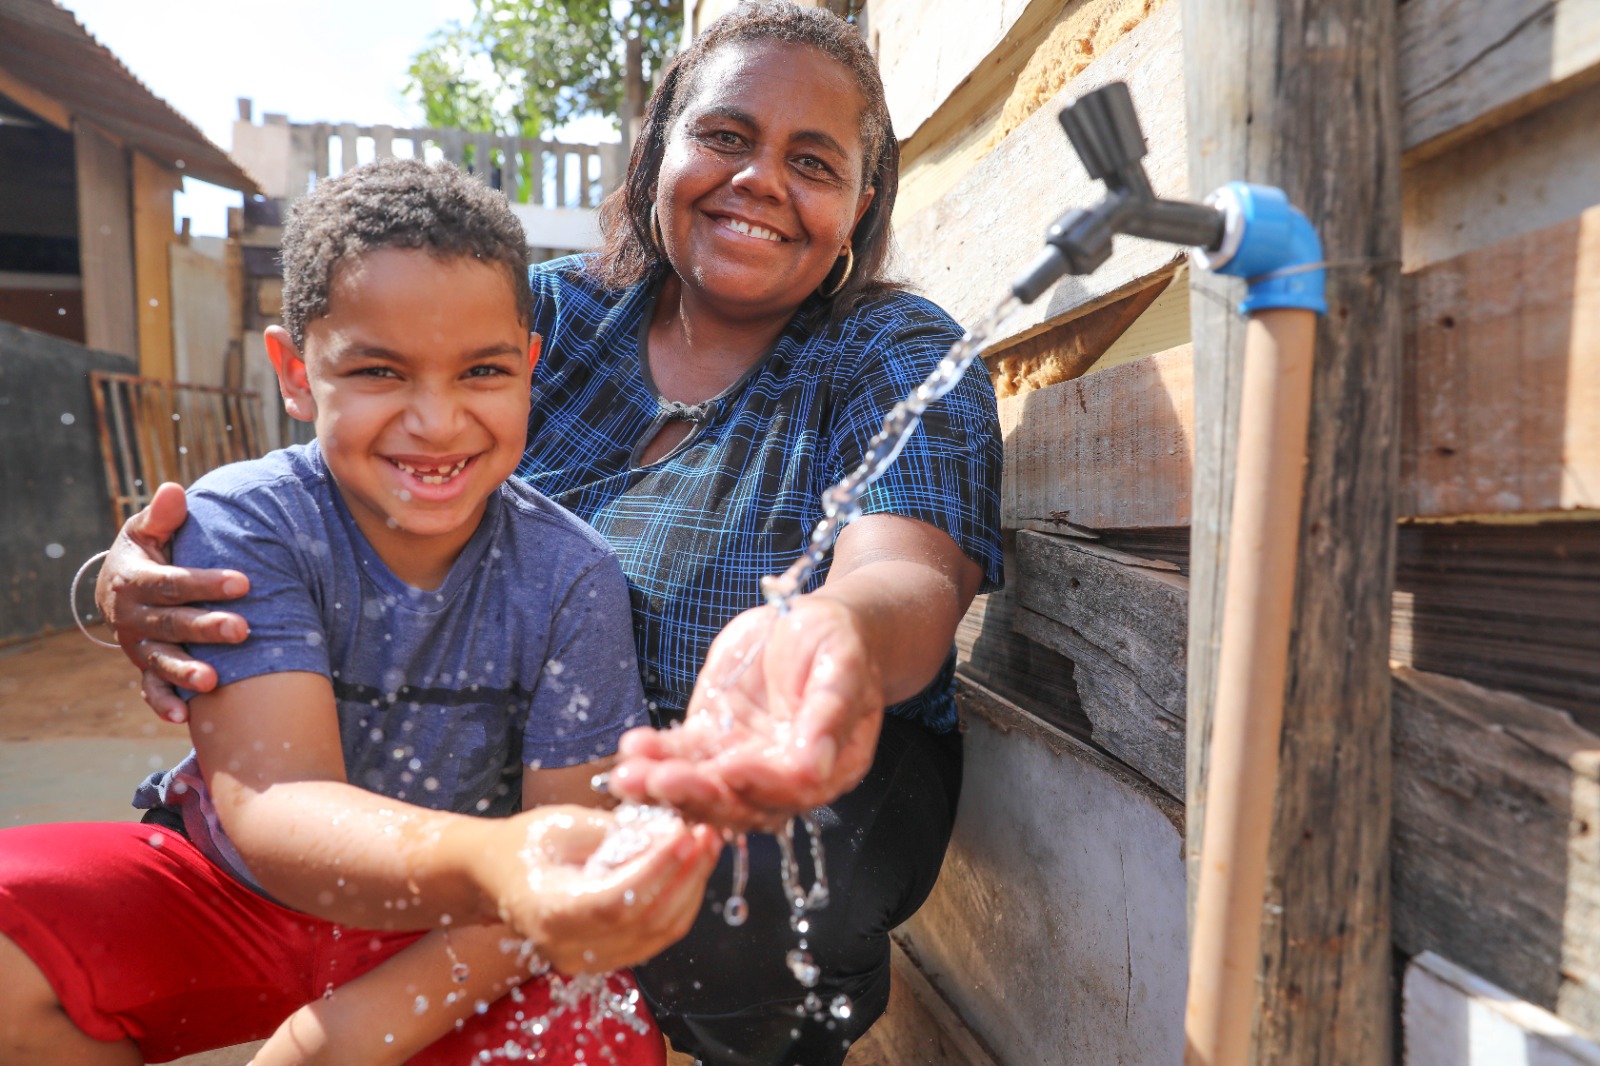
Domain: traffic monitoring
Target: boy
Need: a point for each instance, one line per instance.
(395, 680)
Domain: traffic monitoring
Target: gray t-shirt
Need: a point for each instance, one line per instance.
(525, 654)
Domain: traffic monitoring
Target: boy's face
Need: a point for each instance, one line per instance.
(417, 379)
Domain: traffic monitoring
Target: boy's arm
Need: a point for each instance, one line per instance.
(397, 1009)
(339, 1030)
(270, 750)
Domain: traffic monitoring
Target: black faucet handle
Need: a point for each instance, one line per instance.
(1104, 128)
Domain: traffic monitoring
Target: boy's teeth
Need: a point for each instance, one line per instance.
(432, 475)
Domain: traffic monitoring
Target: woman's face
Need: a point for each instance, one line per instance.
(761, 182)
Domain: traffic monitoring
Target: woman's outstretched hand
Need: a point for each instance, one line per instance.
(784, 717)
(146, 601)
(593, 913)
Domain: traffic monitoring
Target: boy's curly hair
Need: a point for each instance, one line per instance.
(396, 203)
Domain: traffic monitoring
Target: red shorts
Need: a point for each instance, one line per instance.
(144, 939)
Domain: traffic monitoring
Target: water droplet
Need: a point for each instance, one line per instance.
(54, 551)
(420, 1006)
(68, 418)
(735, 911)
(157, 839)
(841, 1007)
(805, 970)
(459, 972)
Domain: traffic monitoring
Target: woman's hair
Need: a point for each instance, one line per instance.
(396, 203)
(629, 254)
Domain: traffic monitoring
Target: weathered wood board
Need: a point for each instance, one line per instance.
(1451, 1016)
(1113, 450)
(1537, 171)
(105, 242)
(1468, 65)
(1502, 391)
(1510, 607)
(963, 249)
(1124, 626)
(990, 651)
(1496, 823)
(1056, 928)
(929, 49)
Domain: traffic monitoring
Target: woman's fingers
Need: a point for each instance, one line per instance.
(163, 698)
(145, 598)
(172, 664)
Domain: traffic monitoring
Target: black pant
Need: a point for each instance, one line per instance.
(725, 994)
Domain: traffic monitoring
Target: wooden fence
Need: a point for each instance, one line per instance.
(528, 170)
(153, 431)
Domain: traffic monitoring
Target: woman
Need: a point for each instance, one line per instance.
(723, 360)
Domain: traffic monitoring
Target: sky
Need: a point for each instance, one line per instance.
(313, 60)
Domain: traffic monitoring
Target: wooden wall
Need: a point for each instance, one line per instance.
(1496, 620)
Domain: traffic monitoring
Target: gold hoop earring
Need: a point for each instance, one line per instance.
(849, 265)
(655, 231)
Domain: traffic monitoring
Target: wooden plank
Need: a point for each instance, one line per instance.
(1124, 626)
(1469, 65)
(930, 49)
(1497, 807)
(990, 651)
(1510, 607)
(44, 106)
(105, 242)
(1056, 926)
(1541, 170)
(1067, 351)
(1112, 450)
(1451, 1016)
(153, 189)
(991, 225)
(1502, 387)
(1260, 109)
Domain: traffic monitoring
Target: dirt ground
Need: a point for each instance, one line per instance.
(75, 740)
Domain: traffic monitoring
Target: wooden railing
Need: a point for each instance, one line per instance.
(153, 431)
(529, 170)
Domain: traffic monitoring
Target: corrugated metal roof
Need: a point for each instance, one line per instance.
(44, 45)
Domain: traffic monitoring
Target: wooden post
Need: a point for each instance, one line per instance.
(1302, 95)
(105, 242)
(153, 236)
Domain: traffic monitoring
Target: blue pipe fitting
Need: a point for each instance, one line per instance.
(1270, 244)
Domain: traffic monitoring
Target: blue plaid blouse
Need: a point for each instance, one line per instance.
(697, 530)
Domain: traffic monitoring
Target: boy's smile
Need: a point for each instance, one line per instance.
(417, 378)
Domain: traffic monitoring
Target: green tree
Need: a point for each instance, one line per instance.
(519, 67)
